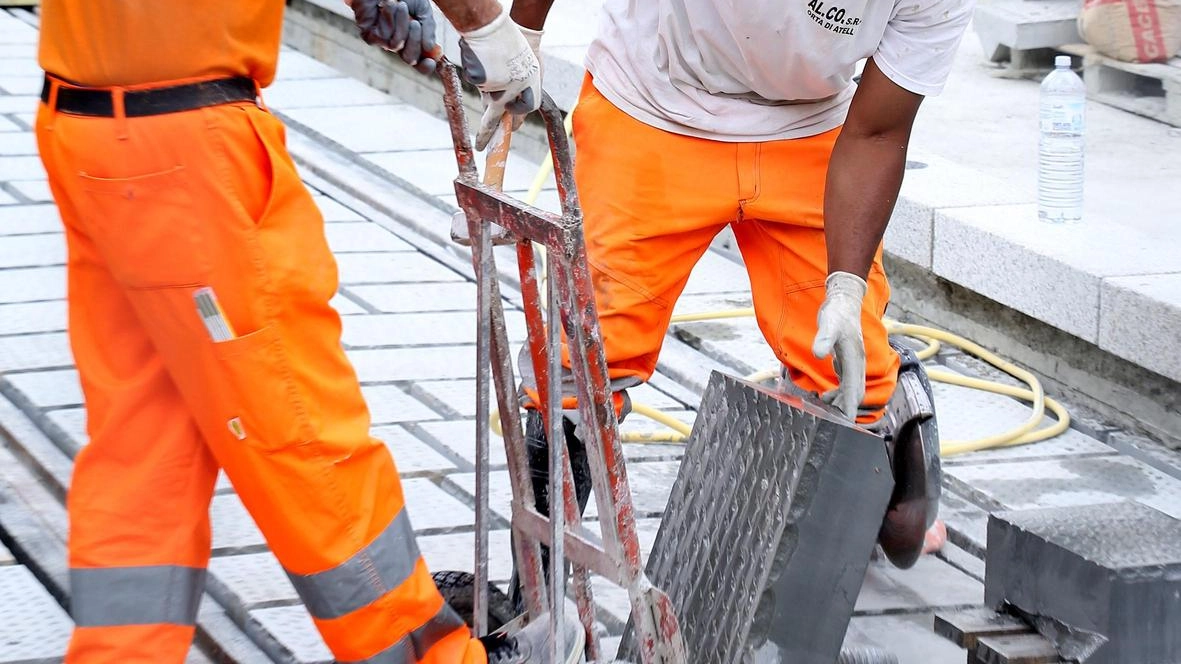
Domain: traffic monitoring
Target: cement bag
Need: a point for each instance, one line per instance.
(1132, 30)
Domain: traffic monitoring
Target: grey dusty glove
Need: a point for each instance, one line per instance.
(406, 27)
(839, 334)
(499, 60)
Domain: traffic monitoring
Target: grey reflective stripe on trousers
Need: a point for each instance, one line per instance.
(414, 646)
(150, 595)
(359, 581)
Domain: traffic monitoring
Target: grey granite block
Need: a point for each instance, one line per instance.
(404, 364)
(32, 284)
(388, 404)
(33, 317)
(1140, 320)
(410, 453)
(34, 626)
(396, 298)
(35, 351)
(393, 267)
(930, 583)
(363, 236)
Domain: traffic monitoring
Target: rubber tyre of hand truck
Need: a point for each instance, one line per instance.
(459, 591)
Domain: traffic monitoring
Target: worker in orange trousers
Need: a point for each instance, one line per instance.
(199, 317)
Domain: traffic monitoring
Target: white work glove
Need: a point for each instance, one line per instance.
(499, 60)
(839, 334)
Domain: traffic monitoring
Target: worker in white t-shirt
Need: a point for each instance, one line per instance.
(698, 114)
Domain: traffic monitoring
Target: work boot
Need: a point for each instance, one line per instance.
(532, 645)
(537, 448)
(912, 440)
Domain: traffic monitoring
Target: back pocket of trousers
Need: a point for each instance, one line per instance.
(147, 229)
(261, 402)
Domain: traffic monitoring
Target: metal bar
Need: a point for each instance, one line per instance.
(482, 246)
(581, 544)
(523, 221)
(557, 476)
(465, 155)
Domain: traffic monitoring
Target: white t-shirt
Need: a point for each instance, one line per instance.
(756, 70)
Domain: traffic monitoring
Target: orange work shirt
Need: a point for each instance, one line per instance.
(104, 43)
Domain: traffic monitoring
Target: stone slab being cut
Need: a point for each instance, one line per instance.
(747, 552)
(1105, 576)
(33, 627)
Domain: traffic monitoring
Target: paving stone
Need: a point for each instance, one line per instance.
(32, 317)
(18, 32)
(651, 483)
(6, 557)
(650, 396)
(33, 284)
(19, 103)
(293, 627)
(378, 128)
(715, 273)
(1070, 482)
(7, 125)
(21, 85)
(28, 51)
(457, 552)
(967, 414)
(403, 267)
(421, 329)
(21, 168)
(36, 629)
(908, 636)
(363, 236)
(930, 583)
(1113, 570)
(33, 251)
(1149, 451)
(313, 92)
(402, 364)
(960, 559)
(430, 507)
(410, 453)
(50, 389)
(966, 521)
(612, 600)
(399, 298)
(233, 529)
(434, 171)
(256, 579)
(13, 144)
(344, 306)
(35, 351)
(334, 211)
(24, 219)
(456, 395)
(500, 491)
(34, 190)
(72, 422)
(459, 436)
(389, 404)
(6, 198)
(296, 65)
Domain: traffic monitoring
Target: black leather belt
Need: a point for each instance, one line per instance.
(156, 101)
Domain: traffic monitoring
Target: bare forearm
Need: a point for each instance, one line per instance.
(467, 15)
(531, 13)
(864, 176)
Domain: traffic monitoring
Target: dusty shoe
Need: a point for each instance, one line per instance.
(532, 644)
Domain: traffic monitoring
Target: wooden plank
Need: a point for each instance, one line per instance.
(964, 628)
(1016, 649)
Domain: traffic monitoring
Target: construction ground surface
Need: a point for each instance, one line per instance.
(381, 170)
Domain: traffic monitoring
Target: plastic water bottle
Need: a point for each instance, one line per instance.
(1060, 149)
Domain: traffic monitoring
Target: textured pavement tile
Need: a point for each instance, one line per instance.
(345, 306)
(388, 404)
(49, 389)
(32, 284)
(430, 507)
(421, 329)
(457, 552)
(400, 298)
(313, 92)
(401, 364)
(32, 317)
(34, 627)
(255, 578)
(21, 168)
(459, 436)
(33, 251)
(363, 236)
(19, 103)
(20, 67)
(34, 190)
(21, 85)
(930, 583)
(293, 627)
(334, 211)
(715, 273)
(7, 125)
(73, 422)
(379, 128)
(233, 529)
(909, 636)
(13, 144)
(376, 268)
(35, 351)
(500, 491)
(7, 199)
(1060, 483)
(434, 171)
(457, 395)
(23, 219)
(19, 50)
(410, 453)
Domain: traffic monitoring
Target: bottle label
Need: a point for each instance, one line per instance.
(1063, 117)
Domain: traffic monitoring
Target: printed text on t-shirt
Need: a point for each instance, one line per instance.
(831, 17)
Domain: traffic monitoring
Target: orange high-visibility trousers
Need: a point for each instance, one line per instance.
(652, 202)
(156, 208)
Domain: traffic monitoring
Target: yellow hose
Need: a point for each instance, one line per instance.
(1027, 432)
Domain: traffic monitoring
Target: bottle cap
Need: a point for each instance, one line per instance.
(1062, 61)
